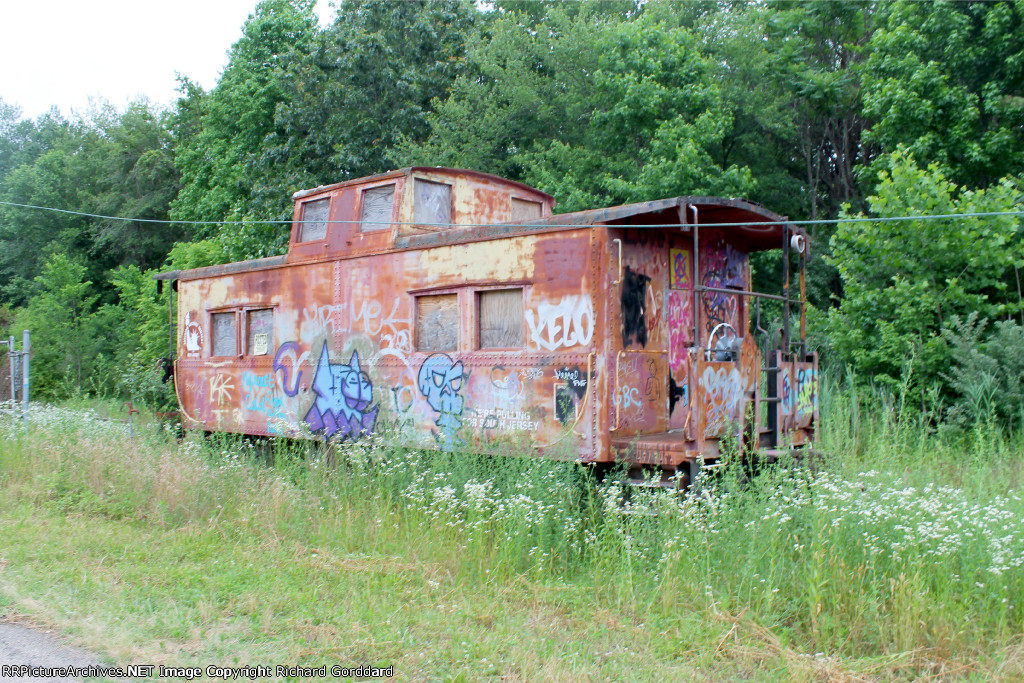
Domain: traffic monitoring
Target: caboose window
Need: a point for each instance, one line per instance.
(261, 332)
(378, 203)
(314, 220)
(224, 334)
(437, 322)
(501, 319)
(524, 210)
(433, 203)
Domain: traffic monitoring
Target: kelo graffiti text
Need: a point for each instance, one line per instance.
(568, 323)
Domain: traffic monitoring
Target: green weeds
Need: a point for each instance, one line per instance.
(899, 545)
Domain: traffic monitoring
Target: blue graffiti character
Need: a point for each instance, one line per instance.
(440, 381)
(343, 397)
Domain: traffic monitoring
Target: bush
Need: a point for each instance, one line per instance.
(905, 280)
(988, 373)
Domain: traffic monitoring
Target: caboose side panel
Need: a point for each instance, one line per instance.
(234, 331)
(407, 330)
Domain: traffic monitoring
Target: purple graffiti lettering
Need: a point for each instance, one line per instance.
(279, 365)
(343, 397)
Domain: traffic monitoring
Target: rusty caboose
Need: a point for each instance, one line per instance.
(452, 307)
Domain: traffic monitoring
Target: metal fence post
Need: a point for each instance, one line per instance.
(25, 352)
(14, 364)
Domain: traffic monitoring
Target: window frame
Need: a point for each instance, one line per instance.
(302, 220)
(451, 202)
(477, 318)
(525, 200)
(232, 310)
(395, 194)
(246, 312)
(457, 292)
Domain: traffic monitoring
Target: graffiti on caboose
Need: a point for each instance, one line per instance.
(440, 381)
(221, 386)
(804, 398)
(261, 397)
(343, 397)
(723, 392)
(368, 317)
(192, 335)
(502, 420)
(724, 268)
(679, 269)
(286, 361)
(634, 306)
(569, 392)
(568, 323)
(680, 327)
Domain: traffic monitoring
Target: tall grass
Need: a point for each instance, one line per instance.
(899, 541)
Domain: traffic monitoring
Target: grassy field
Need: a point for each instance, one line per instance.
(897, 557)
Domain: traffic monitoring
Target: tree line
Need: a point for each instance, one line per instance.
(816, 109)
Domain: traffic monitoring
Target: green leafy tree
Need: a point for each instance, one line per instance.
(369, 81)
(987, 374)
(137, 180)
(141, 331)
(790, 73)
(591, 107)
(905, 280)
(110, 163)
(61, 321)
(946, 79)
(219, 136)
(37, 173)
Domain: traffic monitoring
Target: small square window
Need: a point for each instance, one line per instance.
(261, 332)
(501, 319)
(524, 210)
(314, 220)
(433, 203)
(224, 334)
(378, 203)
(437, 322)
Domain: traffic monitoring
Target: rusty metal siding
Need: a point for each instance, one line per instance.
(607, 365)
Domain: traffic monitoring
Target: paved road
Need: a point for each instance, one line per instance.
(23, 644)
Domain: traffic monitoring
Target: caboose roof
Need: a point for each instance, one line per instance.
(758, 227)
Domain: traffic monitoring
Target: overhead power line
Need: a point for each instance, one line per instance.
(819, 221)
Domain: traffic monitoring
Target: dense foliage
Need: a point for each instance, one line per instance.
(816, 109)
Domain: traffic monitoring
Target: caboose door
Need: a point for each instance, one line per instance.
(641, 365)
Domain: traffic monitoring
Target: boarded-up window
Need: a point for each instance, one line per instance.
(261, 332)
(437, 322)
(433, 203)
(314, 220)
(377, 205)
(224, 334)
(501, 319)
(524, 210)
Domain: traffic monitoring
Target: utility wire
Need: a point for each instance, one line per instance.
(539, 223)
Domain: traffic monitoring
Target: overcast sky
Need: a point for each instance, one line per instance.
(63, 52)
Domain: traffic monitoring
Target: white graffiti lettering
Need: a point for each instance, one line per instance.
(568, 323)
(320, 318)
